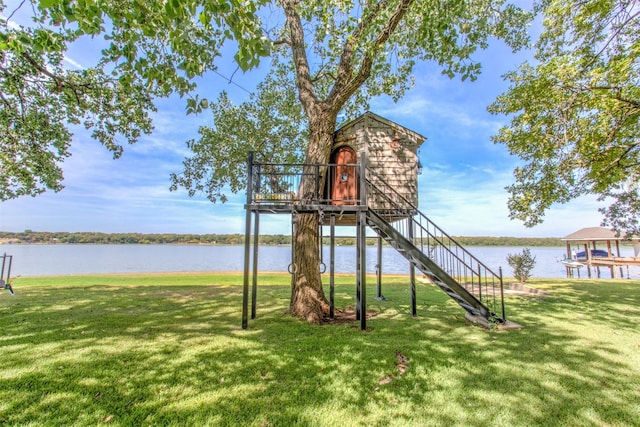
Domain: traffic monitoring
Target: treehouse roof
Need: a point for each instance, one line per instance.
(415, 137)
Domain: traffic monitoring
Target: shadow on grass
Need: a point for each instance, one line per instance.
(176, 355)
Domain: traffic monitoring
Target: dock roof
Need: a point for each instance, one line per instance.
(596, 234)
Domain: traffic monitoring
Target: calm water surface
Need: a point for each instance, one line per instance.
(39, 260)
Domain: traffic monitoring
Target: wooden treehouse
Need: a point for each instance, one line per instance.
(371, 181)
(391, 154)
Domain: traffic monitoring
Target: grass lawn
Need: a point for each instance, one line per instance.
(169, 350)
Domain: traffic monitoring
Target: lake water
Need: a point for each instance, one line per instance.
(39, 260)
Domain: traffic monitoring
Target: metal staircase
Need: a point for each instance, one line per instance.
(444, 262)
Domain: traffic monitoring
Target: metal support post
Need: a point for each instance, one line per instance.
(379, 295)
(362, 245)
(412, 270)
(358, 267)
(247, 244)
(480, 283)
(504, 316)
(332, 257)
(317, 184)
(363, 179)
(256, 245)
(362, 241)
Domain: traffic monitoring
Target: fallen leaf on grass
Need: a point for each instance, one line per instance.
(402, 363)
(386, 380)
(107, 419)
(401, 366)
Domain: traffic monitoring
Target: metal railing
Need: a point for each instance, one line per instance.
(453, 258)
(284, 184)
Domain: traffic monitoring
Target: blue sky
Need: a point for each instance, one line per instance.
(461, 188)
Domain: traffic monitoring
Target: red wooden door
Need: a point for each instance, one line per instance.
(344, 179)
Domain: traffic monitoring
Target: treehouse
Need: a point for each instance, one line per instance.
(391, 153)
(368, 152)
(371, 181)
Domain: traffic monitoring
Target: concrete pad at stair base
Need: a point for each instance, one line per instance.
(479, 320)
(517, 287)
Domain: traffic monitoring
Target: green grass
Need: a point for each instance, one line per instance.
(169, 350)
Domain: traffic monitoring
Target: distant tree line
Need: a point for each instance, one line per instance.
(40, 237)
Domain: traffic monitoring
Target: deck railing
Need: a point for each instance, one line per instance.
(281, 184)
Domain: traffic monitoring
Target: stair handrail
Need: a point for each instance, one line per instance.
(429, 221)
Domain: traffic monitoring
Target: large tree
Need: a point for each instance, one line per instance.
(575, 113)
(336, 51)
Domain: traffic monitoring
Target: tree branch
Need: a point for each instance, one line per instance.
(615, 34)
(306, 94)
(345, 67)
(615, 89)
(340, 94)
(6, 101)
(632, 102)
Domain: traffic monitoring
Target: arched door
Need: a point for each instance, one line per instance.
(344, 179)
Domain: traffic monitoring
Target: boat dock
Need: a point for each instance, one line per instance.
(586, 240)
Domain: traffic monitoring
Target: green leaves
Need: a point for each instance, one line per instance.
(195, 105)
(157, 47)
(160, 47)
(271, 124)
(575, 117)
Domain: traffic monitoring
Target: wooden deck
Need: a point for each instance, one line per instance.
(614, 264)
(345, 214)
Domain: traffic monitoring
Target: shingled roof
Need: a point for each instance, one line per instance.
(594, 234)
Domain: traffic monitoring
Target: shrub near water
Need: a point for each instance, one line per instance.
(522, 264)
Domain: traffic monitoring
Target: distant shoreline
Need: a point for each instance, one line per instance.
(42, 237)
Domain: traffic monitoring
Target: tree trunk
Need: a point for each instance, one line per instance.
(307, 296)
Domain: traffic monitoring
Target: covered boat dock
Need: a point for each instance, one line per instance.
(596, 247)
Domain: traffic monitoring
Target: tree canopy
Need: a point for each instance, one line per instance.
(335, 57)
(271, 124)
(155, 48)
(339, 54)
(575, 113)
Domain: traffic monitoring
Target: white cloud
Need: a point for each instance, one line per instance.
(476, 204)
(73, 63)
